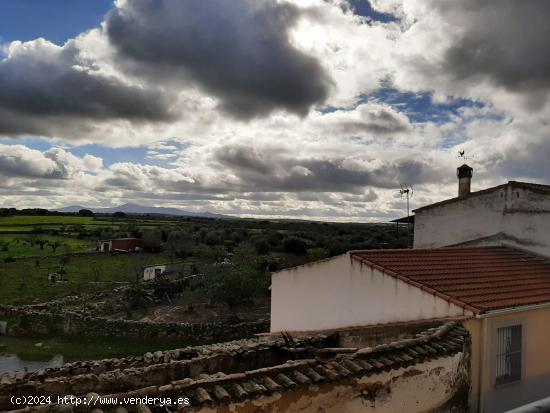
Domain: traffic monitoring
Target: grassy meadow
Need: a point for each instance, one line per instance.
(26, 280)
(34, 246)
(31, 245)
(72, 224)
(81, 348)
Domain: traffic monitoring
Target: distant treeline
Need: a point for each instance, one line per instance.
(8, 212)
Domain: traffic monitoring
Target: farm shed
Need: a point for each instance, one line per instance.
(121, 245)
(162, 270)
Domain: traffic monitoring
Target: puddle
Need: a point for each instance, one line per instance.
(11, 362)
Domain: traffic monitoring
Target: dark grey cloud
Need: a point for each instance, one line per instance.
(369, 119)
(272, 171)
(504, 41)
(237, 50)
(527, 159)
(121, 182)
(42, 85)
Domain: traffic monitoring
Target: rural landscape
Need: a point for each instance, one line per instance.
(274, 206)
(223, 272)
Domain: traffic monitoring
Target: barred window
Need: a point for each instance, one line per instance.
(508, 363)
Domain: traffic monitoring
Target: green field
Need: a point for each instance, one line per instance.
(81, 348)
(25, 245)
(71, 224)
(26, 280)
(49, 219)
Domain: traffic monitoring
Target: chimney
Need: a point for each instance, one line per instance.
(464, 174)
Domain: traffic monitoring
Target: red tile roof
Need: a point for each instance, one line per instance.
(479, 279)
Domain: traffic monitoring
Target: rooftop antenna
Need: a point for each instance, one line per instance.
(407, 192)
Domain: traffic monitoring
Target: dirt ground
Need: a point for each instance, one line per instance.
(201, 313)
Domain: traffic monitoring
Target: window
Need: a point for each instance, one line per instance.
(508, 363)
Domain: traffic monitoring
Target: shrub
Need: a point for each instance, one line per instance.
(85, 213)
(294, 245)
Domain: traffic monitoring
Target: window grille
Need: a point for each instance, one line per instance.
(508, 362)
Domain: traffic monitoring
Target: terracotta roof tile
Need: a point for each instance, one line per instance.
(218, 389)
(481, 278)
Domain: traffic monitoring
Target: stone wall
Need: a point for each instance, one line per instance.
(427, 373)
(26, 320)
(108, 302)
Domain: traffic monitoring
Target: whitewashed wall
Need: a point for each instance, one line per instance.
(460, 221)
(149, 272)
(342, 292)
(513, 215)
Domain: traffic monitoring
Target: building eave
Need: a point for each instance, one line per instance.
(540, 188)
(460, 199)
(430, 290)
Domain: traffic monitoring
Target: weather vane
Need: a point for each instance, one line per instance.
(462, 155)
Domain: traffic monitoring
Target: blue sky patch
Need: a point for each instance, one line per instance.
(54, 20)
(364, 8)
(420, 107)
(110, 156)
(38, 144)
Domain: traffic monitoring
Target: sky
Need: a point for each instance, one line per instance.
(310, 109)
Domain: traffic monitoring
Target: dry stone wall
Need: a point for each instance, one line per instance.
(27, 320)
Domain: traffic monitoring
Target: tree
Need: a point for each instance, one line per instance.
(261, 245)
(178, 244)
(212, 238)
(239, 284)
(55, 245)
(95, 268)
(85, 213)
(294, 245)
(119, 214)
(152, 239)
(137, 295)
(41, 242)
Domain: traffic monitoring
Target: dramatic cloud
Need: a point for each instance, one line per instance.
(44, 85)
(255, 170)
(238, 51)
(493, 50)
(504, 41)
(206, 93)
(371, 119)
(21, 162)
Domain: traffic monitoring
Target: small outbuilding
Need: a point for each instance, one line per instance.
(162, 270)
(121, 245)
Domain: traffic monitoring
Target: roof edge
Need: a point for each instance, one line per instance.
(416, 284)
(455, 199)
(527, 185)
(310, 263)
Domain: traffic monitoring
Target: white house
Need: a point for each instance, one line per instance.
(501, 294)
(480, 258)
(343, 292)
(515, 213)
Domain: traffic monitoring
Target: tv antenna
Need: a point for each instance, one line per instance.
(407, 192)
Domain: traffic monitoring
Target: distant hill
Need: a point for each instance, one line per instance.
(141, 209)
